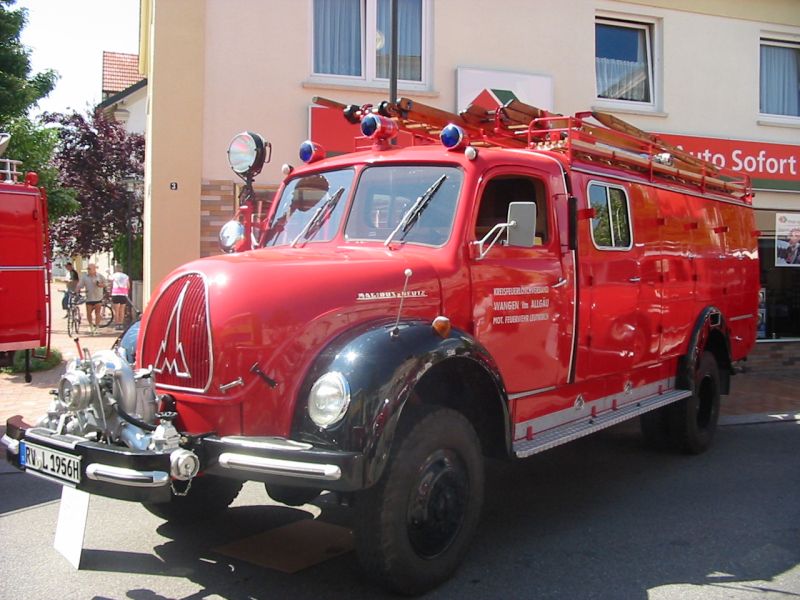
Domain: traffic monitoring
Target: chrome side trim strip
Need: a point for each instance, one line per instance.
(519, 395)
(585, 426)
(276, 466)
(127, 477)
(27, 268)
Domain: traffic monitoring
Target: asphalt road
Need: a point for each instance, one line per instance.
(599, 518)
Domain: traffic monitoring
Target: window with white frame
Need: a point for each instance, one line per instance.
(611, 222)
(779, 85)
(352, 39)
(624, 60)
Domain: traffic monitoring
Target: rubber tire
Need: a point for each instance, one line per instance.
(693, 421)
(106, 314)
(208, 496)
(74, 325)
(688, 425)
(429, 438)
(291, 496)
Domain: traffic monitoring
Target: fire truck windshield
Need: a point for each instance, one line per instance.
(302, 198)
(385, 194)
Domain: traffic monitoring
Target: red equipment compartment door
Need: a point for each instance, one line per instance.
(22, 320)
(22, 269)
(519, 294)
(612, 260)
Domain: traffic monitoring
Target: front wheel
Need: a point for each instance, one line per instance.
(414, 526)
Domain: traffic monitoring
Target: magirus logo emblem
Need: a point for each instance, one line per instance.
(171, 358)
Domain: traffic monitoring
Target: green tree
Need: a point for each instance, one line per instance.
(34, 145)
(97, 158)
(19, 89)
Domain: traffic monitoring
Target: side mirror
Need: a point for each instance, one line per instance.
(521, 231)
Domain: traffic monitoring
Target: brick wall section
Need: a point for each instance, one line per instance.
(768, 356)
(216, 208)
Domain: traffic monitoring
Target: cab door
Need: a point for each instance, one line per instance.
(519, 293)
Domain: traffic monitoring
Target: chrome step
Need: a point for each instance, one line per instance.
(588, 425)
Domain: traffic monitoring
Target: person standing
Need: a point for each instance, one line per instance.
(72, 278)
(120, 286)
(94, 284)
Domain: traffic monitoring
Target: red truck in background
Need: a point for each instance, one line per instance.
(513, 281)
(24, 262)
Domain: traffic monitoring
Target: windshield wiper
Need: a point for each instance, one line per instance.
(412, 214)
(316, 221)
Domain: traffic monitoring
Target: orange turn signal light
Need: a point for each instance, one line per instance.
(442, 326)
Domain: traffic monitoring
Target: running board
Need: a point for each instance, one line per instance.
(578, 429)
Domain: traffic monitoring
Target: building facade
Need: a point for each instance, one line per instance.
(719, 78)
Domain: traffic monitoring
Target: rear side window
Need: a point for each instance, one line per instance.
(611, 223)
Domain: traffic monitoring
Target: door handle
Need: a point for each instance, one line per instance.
(635, 279)
(561, 282)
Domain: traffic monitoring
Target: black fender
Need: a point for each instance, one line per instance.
(710, 332)
(383, 369)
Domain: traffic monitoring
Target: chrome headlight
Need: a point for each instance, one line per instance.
(329, 399)
(231, 235)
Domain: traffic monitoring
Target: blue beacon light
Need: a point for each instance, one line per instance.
(311, 152)
(453, 137)
(378, 127)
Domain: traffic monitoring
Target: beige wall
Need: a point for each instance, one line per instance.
(174, 137)
(257, 68)
(224, 66)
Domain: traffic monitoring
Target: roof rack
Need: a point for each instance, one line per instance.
(589, 137)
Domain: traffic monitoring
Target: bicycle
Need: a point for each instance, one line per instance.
(106, 310)
(74, 314)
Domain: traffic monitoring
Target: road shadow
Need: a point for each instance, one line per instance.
(598, 518)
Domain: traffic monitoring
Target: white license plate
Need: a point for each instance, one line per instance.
(52, 463)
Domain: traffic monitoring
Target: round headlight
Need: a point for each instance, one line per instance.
(231, 234)
(329, 399)
(246, 154)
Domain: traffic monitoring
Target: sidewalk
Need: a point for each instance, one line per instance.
(760, 395)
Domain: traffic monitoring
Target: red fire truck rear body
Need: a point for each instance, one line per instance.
(24, 261)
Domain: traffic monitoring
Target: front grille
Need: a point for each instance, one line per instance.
(177, 342)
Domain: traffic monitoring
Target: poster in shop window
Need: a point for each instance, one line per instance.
(787, 240)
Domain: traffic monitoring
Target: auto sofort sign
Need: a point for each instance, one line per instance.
(772, 167)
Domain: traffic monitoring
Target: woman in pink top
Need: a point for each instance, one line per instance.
(120, 284)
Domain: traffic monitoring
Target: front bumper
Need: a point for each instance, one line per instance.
(144, 476)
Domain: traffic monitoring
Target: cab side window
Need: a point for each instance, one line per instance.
(611, 223)
(502, 191)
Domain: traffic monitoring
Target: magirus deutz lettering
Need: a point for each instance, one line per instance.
(511, 281)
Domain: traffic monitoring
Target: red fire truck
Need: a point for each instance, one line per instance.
(512, 281)
(24, 262)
